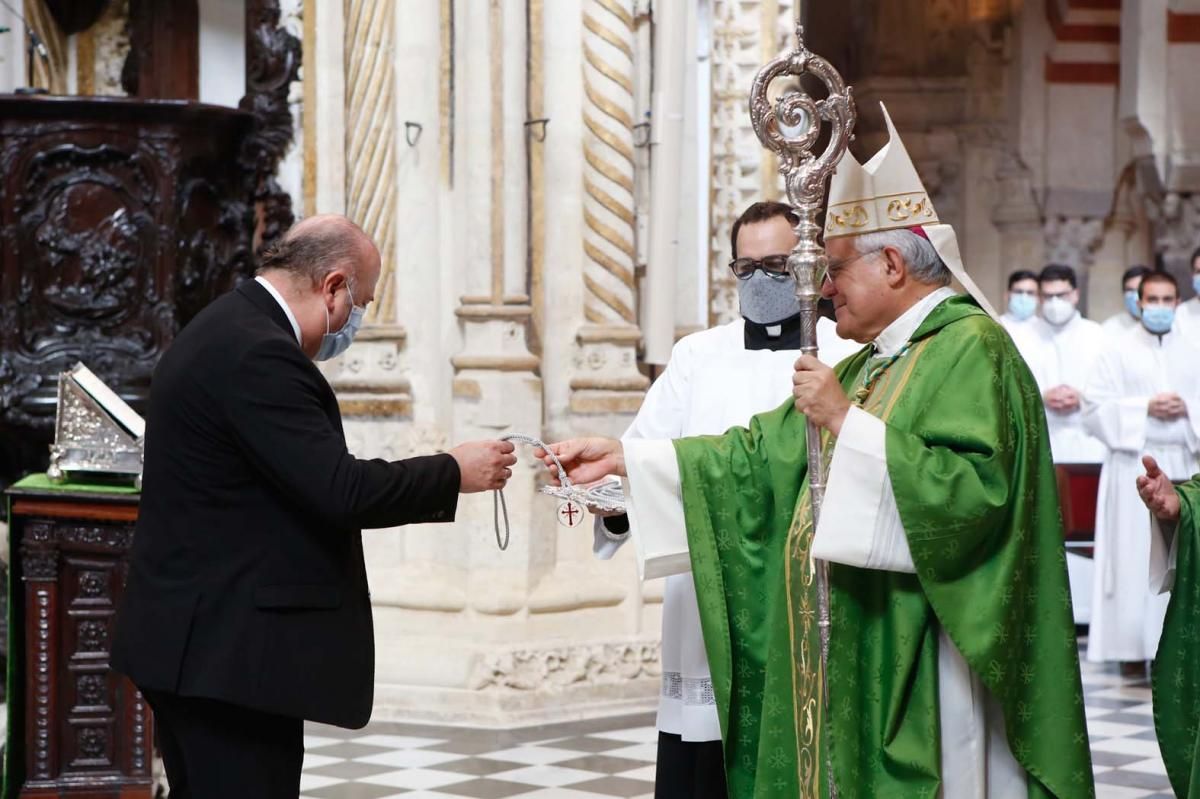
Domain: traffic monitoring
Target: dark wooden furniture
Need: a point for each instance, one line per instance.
(1078, 488)
(121, 220)
(86, 732)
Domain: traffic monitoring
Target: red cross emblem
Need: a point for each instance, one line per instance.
(570, 514)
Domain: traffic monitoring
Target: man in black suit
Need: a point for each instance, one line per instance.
(247, 608)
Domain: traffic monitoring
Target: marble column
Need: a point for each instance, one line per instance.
(607, 379)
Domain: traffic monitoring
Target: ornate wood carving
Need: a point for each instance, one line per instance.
(84, 726)
(272, 64)
(120, 220)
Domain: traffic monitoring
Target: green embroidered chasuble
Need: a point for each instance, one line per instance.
(969, 462)
(1176, 675)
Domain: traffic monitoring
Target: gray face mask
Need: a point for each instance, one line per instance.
(334, 343)
(766, 300)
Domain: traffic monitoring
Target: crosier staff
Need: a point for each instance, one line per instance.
(790, 127)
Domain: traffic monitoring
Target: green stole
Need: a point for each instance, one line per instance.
(1176, 675)
(968, 459)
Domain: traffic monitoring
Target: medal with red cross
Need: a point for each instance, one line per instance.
(570, 513)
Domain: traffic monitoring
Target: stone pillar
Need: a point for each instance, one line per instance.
(745, 35)
(606, 379)
(371, 378)
(1018, 221)
(1082, 72)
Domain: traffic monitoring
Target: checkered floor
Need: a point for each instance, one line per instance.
(615, 757)
(1121, 725)
(586, 760)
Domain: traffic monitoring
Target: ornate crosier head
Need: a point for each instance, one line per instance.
(790, 127)
(792, 124)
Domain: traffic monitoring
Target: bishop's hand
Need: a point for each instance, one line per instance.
(585, 459)
(819, 395)
(1157, 491)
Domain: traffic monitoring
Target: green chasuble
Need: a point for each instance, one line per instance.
(1176, 676)
(969, 463)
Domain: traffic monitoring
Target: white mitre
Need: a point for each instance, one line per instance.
(887, 194)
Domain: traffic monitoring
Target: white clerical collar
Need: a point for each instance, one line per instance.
(897, 334)
(291, 317)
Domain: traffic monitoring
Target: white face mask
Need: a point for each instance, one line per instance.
(334, 344)
(1057, 311)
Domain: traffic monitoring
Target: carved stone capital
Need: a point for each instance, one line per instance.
(1175, 220)
(1073, 241)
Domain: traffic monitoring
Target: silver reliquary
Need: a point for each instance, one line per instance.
(96, 434)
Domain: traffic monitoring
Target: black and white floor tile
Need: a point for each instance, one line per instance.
(597, 759)
(1120, 721)
(609, 758)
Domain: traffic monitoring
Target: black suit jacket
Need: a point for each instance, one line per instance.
(246, 581)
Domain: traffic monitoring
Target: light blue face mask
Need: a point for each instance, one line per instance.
(334, 344)
(1196, 283)
(1158, 318)
(1022, 306)
(1131, 304)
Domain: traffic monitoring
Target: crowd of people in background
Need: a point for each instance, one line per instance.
(1114, 391)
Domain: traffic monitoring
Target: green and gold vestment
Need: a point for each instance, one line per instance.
(969, 463)
(1176, 675)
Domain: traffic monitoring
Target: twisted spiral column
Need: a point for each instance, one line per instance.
(608, 380)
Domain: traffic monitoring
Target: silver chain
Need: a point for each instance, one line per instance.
(500, 506)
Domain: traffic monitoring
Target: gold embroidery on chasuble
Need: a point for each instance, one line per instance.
(880, 386)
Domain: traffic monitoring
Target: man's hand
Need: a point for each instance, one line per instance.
(1063, 399)
(484, 465)
(585, 459)
(1157, 492)
(1167, 406)
(819, 395)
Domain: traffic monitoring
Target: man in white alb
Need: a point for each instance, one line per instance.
(1143, 399)
(1020, 315)
(717, 379)
(1189, 312)
(1130, 316)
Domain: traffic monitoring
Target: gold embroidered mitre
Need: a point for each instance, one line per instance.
(886, 193)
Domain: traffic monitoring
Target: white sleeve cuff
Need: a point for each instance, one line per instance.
(860, 524)
(1164, 551)
(654, 504)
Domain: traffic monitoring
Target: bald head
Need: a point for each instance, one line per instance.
(315, 246)
(323, 267)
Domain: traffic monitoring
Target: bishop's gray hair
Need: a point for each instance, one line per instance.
(924, 264)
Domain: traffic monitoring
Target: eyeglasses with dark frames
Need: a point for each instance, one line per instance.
(773, 266)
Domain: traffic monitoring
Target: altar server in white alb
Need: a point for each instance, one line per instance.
(1020, 314)
(1130, 315)
(1068, 348)
(1143, 399)
(1065, 350)
(717, 379)
(1189, 312)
